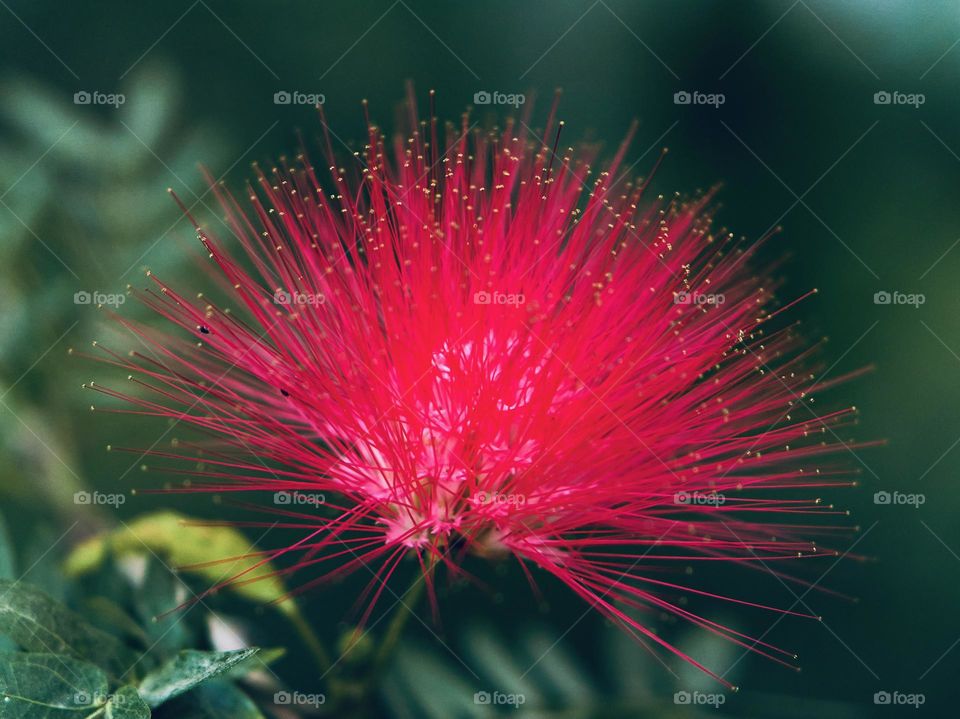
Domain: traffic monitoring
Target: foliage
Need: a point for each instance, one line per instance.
(110, 655)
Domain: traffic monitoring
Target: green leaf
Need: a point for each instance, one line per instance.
(161, 592)
(187, 670)
(127, 704)
(109, 616)
(447, 693)
(39, 624)
(264, 658)
(214, 700)
(49, 686)
(191, 548)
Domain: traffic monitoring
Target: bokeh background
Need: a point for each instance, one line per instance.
(866, 193)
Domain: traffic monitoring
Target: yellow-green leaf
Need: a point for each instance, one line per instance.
(179, 542)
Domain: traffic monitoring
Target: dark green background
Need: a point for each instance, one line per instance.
(866, 193)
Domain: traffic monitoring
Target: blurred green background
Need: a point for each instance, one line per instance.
(866, 193)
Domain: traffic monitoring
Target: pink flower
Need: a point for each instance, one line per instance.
(489, 346)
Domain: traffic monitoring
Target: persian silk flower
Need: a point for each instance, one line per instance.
(489, 347)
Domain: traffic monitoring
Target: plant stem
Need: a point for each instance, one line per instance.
(311, 640)
(408, 603)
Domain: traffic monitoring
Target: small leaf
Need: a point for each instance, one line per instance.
(183, 545)
(214, 700)
(39, 624)
(127, 704)
(49, 686)
(187, 670)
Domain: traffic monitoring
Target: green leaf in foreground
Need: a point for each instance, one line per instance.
(127, 704)
(37, 623)
(171, 536)
(187, 670)
(214, 700)
(49, 686)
